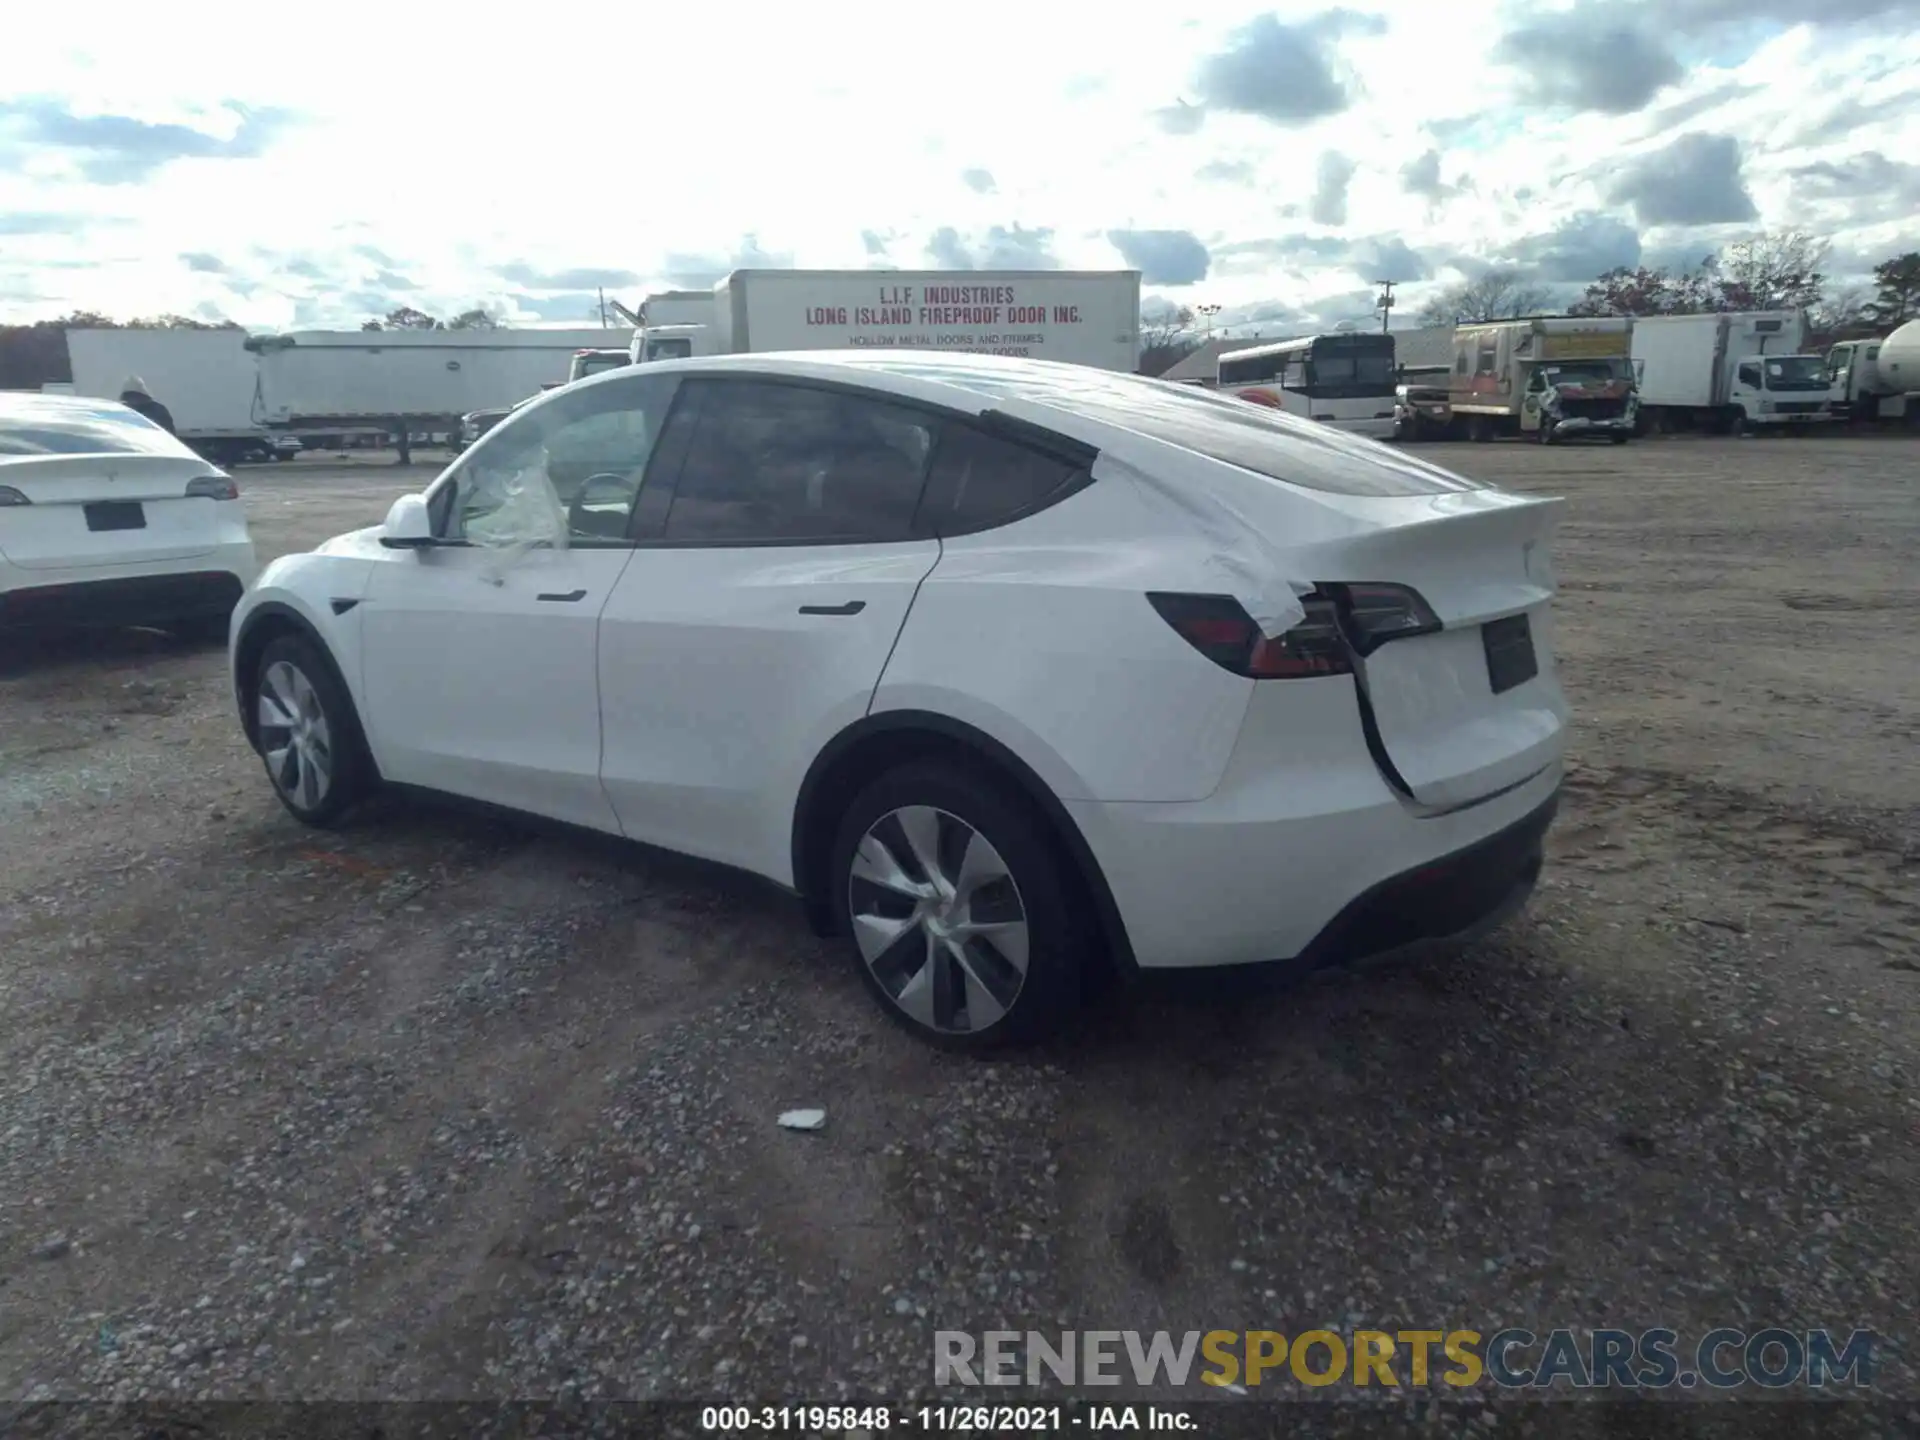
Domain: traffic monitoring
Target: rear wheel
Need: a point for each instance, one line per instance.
(1620, 437)
(307, 733)
(960, 913)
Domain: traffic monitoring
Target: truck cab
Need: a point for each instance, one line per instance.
(1854, 385)
(1581, 397)
(592, 362)
(669, 342)
(1772, 390)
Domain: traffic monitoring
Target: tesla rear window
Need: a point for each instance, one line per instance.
(1301, 452)
(80, 429)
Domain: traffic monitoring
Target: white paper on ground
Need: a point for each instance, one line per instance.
(803, 1119)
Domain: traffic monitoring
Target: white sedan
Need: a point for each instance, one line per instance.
(107, 519)
(1007, 669)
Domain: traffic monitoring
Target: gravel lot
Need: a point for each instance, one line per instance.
(439, 1108)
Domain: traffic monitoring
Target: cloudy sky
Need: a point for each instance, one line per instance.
(234, 162)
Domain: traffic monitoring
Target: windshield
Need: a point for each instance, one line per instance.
(669, 349)
(1353, 370)
(1587, 372)
(594, 364)
(1796, 372)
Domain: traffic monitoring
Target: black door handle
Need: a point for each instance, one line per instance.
(570, 595)
(852, 607)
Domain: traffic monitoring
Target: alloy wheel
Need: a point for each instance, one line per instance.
(295, 738)
(939, 919)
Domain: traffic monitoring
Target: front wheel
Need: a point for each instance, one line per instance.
(1738, 427)
(960, 912)
(307, 734)
(1619, 437)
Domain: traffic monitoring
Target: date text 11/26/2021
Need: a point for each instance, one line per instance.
(870, 1420)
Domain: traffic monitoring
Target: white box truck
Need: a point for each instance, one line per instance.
(1730, 373)
(1081, 317)
(205, 378)
(408, 383)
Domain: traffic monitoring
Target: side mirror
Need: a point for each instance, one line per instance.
(408, 526)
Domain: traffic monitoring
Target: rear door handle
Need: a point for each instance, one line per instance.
(571, 595)
(852, 607)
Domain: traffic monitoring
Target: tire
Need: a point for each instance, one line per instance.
(1619, 439)
(294, 678)
(1545, 433)
(1737, 426)
(918, 979)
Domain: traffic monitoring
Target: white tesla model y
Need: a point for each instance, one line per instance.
(107, 519)
(1006, 668)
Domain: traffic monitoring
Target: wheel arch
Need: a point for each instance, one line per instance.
(878, 742)
(266, 622)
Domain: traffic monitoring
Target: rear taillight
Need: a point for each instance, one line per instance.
(1220, 629)
(11, 496)
(213, 487)
(1376, 613)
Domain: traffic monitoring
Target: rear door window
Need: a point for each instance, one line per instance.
(778, 463)
(981, 480)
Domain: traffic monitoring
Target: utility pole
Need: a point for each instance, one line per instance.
(1385, 304)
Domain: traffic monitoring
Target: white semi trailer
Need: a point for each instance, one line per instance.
(205, 378)
(1081, 317)
(408, 383)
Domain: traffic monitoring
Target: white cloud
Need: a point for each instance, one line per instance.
(479, 163)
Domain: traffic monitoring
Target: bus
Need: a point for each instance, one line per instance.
(1344, 380)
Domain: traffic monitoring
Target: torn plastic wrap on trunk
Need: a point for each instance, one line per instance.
(528, 516)
(1245, 563)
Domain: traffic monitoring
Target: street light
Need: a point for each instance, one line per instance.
(1209, 311)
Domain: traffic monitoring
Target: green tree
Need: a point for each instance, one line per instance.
(478, 318)
(408, 318)
(1897, 286)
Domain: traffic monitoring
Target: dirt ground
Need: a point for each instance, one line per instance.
(439, 1108)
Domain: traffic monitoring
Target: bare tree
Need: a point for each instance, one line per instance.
(1166, 340)
(1848, 311)
(1779, 270)
(1500, 293)
(478, 318)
